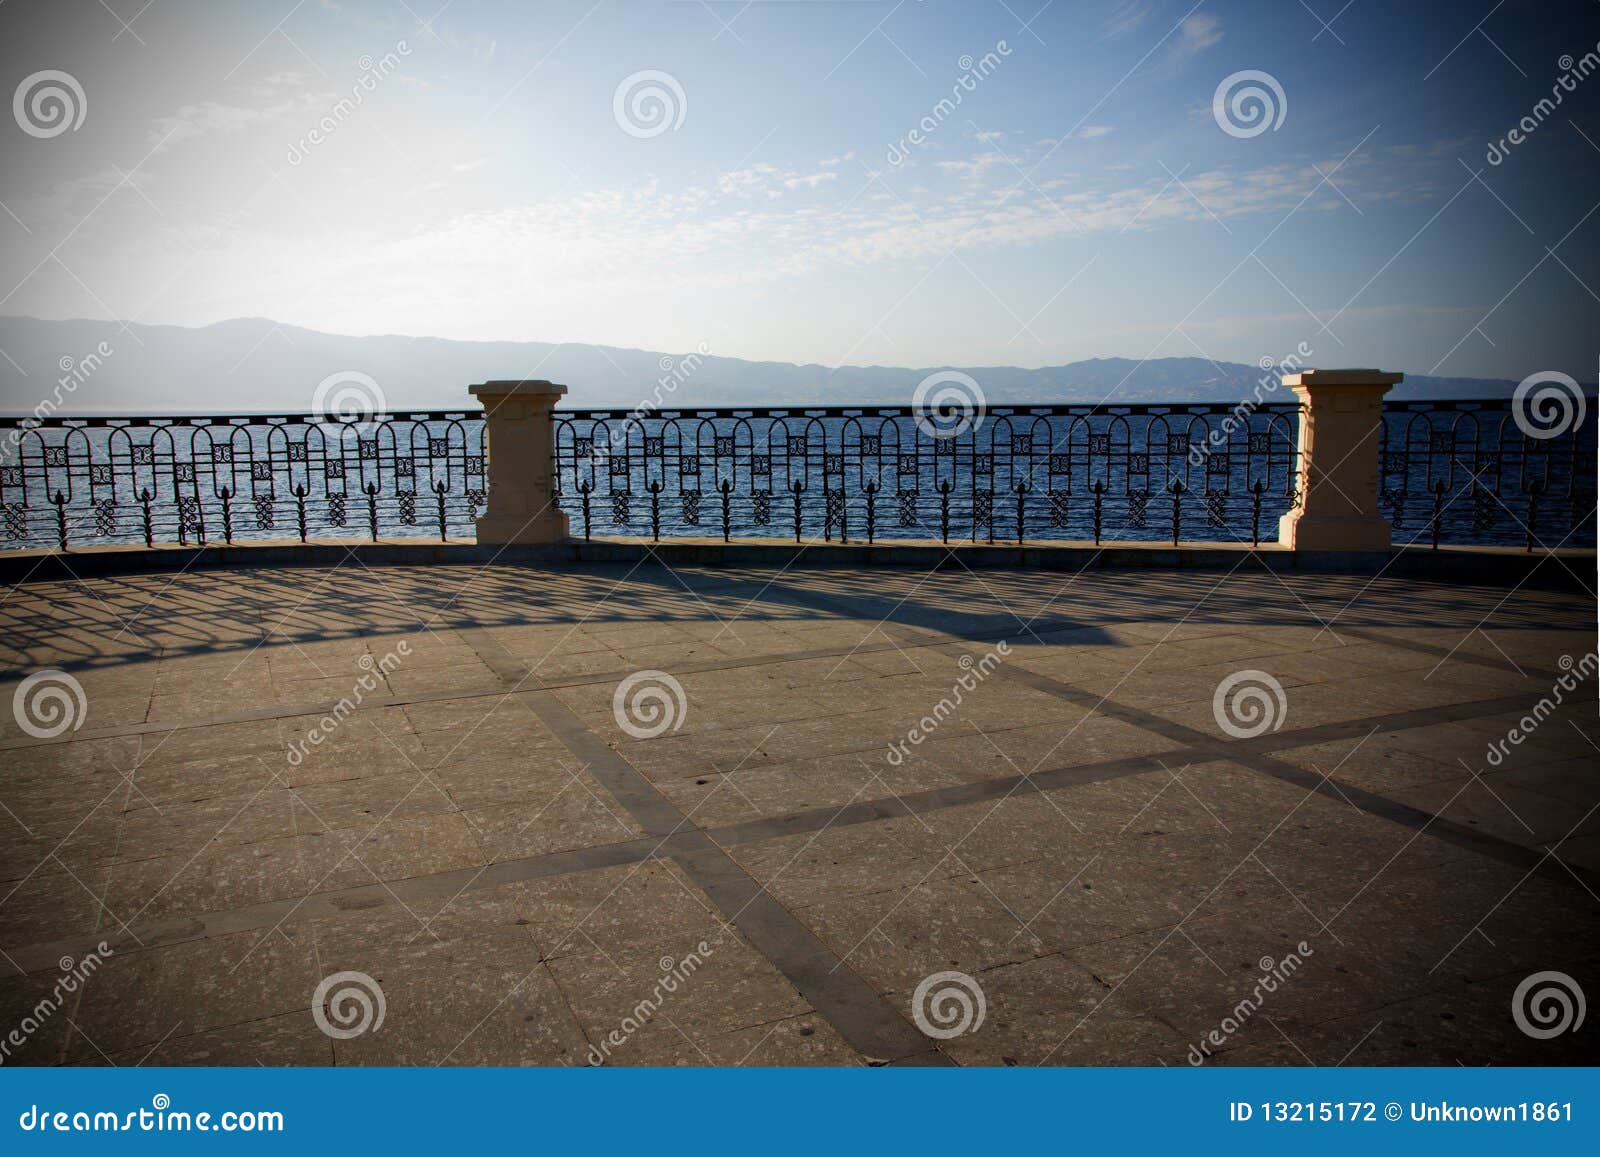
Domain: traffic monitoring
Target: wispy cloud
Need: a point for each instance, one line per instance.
(1198, 32)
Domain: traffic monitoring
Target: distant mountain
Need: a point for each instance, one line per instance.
(252, 365)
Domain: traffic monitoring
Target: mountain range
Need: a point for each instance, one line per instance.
(254, 365)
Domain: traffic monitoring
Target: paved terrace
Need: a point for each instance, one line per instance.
(516, 871)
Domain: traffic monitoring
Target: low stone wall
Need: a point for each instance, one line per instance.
(1484, 566)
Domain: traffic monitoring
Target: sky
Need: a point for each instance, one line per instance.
(899, 183)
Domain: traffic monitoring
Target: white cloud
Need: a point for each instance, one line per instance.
(1199, 31)
(1126, 16)
(810, 180)
(973, 169)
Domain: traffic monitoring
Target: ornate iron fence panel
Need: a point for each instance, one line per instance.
(1466, 472)
(1135, 472)
(73, 481)
(1449, 472)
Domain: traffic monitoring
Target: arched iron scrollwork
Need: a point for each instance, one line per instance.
(1467, 472)
(1022, 473)
(1449, 472)
(245, 477)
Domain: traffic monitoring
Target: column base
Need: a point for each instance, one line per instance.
(1328, 532)
(500, 529)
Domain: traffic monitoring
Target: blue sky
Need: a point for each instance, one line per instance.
(1082, 199)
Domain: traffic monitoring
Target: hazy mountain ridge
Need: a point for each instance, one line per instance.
(254, 365)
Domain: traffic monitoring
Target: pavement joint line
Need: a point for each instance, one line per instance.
(444, 884)
(1201, 746)
(1248, 752)
(375, 703)
(868, 1023)
(937, 639)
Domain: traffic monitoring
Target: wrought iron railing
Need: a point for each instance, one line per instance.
(68, 481)
(1470, 472)
(1449, 472)
(885, 472)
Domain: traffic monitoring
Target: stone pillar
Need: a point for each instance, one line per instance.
(519, 439)
(1339, 420)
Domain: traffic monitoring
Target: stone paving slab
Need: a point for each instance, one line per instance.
(418, 781)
